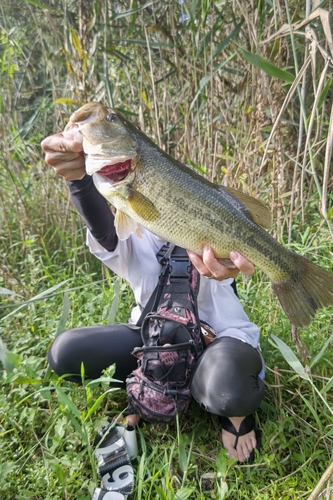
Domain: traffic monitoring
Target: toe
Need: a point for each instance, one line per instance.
(253, 442)
(228, 441)
(232, 453)
(244, 452)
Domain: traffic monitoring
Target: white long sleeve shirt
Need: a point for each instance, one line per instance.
(135, 260)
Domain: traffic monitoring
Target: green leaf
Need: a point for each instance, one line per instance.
(118, 54)
(267, 66)
(182, 454)
(67, 100)
(208, 37)
(199, 431)
(227, 40)
(203, 82)
(7, 468)
(83, 373)
(99, 401)
(184, 493)
(140, 474)
(64, 314)
(324, 92)
(328, 386)
(315, 360)
(77, 43)
(119, 15)
(38, 4)
(330, 213)
(5, 291)
(27, 126)
(313, 411)
(67, 400)
(25, 380)
(322, 4)
(290, 357)
(160, 492)
(115, 300)
(37, 297)
(5, 358)
(144, 42)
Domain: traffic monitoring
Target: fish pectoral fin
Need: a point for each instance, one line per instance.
(125, 226)
(259, 213)
(139, 231)
(142, 206)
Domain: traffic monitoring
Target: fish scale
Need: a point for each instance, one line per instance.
(182, 207)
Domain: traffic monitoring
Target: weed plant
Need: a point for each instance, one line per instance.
(241, 92)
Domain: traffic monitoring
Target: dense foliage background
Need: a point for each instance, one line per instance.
(242, 92)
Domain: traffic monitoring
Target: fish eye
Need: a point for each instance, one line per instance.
(111, 117)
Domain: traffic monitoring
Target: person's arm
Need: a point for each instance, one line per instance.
(95, 211)
(65, 155)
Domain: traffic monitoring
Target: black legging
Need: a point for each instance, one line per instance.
(225, 379)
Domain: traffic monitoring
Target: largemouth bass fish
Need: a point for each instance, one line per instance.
(151, 189)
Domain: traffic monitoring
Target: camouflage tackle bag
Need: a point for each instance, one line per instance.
(171, 341)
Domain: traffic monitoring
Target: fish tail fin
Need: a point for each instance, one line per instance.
(307, 289)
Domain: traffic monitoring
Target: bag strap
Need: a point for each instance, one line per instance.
(174, 279)
(183, 282)
(163, 257)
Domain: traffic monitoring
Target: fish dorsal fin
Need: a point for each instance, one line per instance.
(258, 212)
(125, 226)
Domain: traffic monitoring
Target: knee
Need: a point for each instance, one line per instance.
(60, 355)
(242, 399)
(225, 379)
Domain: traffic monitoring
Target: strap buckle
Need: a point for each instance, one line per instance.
(179, 268)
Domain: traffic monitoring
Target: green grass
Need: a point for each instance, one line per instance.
(47, 425)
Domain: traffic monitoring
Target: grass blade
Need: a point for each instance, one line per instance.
(37, 297)
(228, 39)
(140, 475)
(267, 66)
(313, 411)
(327, 387)
(4, 359)
(115, 301)
(290, 357)
(320, 354)
(5, 291)
(64, 314)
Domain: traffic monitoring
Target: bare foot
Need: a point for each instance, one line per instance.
(245, 443)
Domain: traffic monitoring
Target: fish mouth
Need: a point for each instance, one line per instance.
(116, 172)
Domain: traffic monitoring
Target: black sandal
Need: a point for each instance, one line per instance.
(247, 425)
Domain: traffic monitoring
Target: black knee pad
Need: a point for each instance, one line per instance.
(225, 379)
